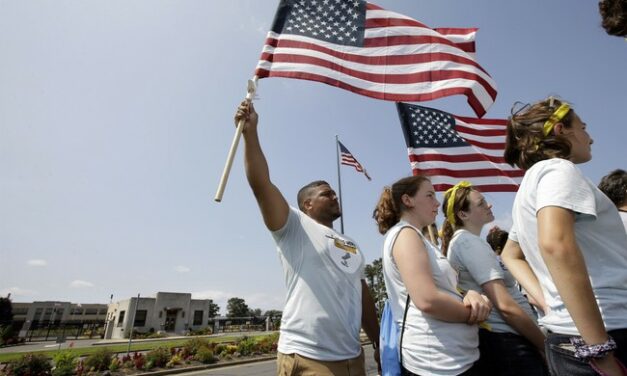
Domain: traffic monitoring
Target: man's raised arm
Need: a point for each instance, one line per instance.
(273, 206)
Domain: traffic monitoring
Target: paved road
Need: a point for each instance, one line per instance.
(268, 368)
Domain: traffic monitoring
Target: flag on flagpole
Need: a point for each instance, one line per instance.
(348, 159)
(360, 47)
(451, 148)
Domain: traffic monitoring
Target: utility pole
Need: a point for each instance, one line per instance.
(130, 335)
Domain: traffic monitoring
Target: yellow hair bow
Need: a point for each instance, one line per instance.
(555, 118)
(450, 204)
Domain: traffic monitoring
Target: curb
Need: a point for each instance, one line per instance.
(206, 366)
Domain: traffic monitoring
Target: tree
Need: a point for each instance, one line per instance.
(255, 312)
(214, 309)
(236, 307)
(7, 334)
(376, 283)
(273, 313)
(6, 311)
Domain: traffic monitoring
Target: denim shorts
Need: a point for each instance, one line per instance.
(509, 354)
(561, 358)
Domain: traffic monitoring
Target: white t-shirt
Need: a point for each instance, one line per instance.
(598, 230)
(477, 264)
(623, 217)
(430, 346)
(323, 271)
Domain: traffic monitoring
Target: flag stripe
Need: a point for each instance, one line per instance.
(484, 172)
(413, 157)
(478, 164)
(378, 94)
(398, 59)
(500, 180)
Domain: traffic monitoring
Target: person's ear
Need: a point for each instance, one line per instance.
(307, 205)
(407, 201)
(558, 129)
(462, 215)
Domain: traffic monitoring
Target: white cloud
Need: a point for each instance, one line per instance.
(182, 269)
(37, 262)
(17, 291)
(77, 283)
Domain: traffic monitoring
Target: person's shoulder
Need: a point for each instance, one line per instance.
(554, 167)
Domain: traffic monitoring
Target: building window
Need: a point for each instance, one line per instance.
(140, 318)
(121, 318)
(76, 311)
(183, 314)
(20, 311)
(160, 314)
(38, 312)
(198, 317)
(91, 311)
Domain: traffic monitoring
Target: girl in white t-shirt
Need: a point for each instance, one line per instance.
(510, 341)
(440, 331)
(567, 243)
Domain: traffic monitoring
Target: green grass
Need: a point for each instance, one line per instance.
(139, 346)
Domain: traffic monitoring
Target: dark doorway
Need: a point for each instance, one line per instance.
(170, 320)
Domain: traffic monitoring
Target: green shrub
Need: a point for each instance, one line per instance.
(205, 355)
(246, 346)
(30, 365)
(99, 361)
(159, 357)
(64, 363)
(219, 348)
(191, 347)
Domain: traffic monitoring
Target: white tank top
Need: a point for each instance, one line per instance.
(430, 346)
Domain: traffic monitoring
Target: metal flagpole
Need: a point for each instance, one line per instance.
(252, 87)
(339, 182)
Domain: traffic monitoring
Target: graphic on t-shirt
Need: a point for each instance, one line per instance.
(344, 244)
(344, 253)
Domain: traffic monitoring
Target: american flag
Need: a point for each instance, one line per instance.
(451, 148)
(348, 159)
(361, 47)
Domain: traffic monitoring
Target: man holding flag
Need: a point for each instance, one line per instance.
(327, 298)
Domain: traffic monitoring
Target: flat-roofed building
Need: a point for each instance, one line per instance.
(167, 312)
(54, 314)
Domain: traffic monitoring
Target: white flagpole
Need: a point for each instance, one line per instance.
(339, 183)
(252, 87)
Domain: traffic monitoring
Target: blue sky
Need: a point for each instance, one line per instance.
(116, 119)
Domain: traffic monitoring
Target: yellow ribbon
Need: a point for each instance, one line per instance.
(450, 204)
(555, 118)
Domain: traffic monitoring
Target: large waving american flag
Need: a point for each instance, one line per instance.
(451, 148)
(361, 47)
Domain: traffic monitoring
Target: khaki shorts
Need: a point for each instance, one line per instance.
(298, 365)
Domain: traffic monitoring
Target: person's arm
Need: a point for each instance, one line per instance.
(273, 206)
(563, 258)
(516, 263)
(413, 263)
(511, 312)
(369, 320)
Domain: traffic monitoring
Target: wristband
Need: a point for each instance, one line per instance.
(586, 352)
